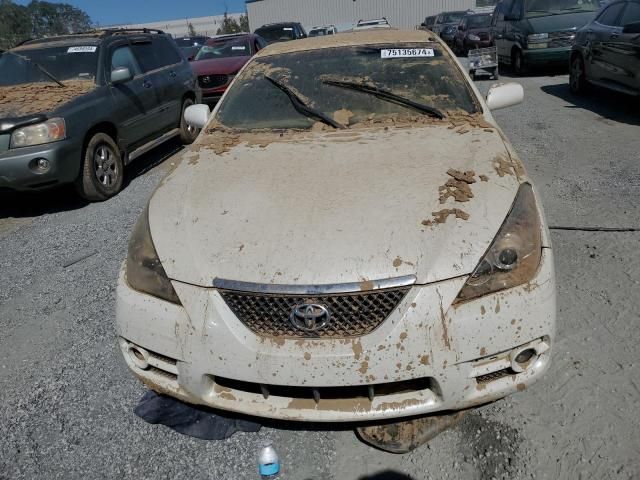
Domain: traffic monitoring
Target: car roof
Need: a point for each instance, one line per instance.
(352, 38)
(93, 37)
(279, 24)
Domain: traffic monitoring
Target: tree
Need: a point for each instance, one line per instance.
(192, 30)
(244, 23)
(229, 25)
(39, 19)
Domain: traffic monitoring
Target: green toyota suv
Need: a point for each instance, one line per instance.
(78, 108)
(532, 33)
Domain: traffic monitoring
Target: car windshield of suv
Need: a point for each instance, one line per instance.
(541, 8)
(452, 17)
(255, 102)
(63, 63)
(276, 34)
(479, 21)
(232, 47)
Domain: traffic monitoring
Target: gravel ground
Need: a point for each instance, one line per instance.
(67, 399)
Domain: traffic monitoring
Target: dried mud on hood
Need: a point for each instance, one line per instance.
(40, 97)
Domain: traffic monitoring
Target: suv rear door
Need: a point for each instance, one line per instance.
(134, 102)
(161, 62)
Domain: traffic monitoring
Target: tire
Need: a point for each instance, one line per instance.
(188, 134)
(102, 170)
(518, 64)
(577, 76)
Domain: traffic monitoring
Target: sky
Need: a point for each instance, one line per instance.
(110, 12)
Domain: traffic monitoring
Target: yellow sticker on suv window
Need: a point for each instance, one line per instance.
(406, 52)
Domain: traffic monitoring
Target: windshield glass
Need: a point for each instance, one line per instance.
(452, 17)
(233, 47)
(318, 32)
(276, 34)
(64, 63)
(539, 8)
(253, 102)
(479, 21)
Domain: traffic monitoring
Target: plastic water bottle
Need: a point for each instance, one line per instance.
(268, 462)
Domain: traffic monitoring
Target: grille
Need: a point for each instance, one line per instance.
(561, 39)
(490, 377)
(352, 314)
(212, 81)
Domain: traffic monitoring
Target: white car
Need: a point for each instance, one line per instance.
(322, 30)
(350, 238)
(370, 24)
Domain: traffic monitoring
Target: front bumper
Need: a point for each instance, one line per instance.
(544, 56)
(428, 356)
(17, 165)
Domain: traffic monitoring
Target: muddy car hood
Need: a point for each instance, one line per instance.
(332, 207)
(27, 99)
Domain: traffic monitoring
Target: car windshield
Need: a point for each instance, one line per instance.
(452, 17)
(479, 21)
(63, 63)
(276, 34)
(254, 101)
(231, 47)
(541, 8)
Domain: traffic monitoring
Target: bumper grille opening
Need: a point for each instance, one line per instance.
(352, 314)
(490, 377)
(163, 373)
(329, 393)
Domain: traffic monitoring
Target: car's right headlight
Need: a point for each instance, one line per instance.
(46, 132)
(144, 269)
(514, 256)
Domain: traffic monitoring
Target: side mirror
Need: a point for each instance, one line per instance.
(120, 75)
(197, 115)
(504, 95)
(631, 28)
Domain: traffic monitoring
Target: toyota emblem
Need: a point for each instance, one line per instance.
(309, 317)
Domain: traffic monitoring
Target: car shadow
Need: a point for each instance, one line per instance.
(15, 204)
(606, 103)
(387, 475)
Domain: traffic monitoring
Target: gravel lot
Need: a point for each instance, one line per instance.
(67, 399)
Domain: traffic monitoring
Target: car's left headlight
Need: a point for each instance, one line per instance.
(46, 132)
(473, 37)
(514, 256)
(144, 269)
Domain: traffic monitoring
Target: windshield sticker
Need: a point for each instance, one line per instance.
(406, 53)
(82, 49)
(288, 29)
(238, 47)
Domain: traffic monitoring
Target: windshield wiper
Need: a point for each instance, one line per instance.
(302, 107)
(39, 67)
(387, 96)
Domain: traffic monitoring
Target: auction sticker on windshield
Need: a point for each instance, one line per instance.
(406, 52)
(86, 49)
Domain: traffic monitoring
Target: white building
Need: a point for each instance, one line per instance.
(344, 13)
(178, 28)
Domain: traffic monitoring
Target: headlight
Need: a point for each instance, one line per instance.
(514, 256)
(45, 132)
(537, 37)
(473, 38)
(144, 270)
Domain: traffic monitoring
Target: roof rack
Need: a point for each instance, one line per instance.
(117, 31)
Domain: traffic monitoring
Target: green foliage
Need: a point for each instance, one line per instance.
(244, 23)
(39, 19)
(192, 30)
(229, 25)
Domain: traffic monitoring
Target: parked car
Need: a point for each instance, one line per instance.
(429, 22)
(323, 30)
(78, 108)
(369, 24)
(446, 24)
(342, 249)
(220, 59)
(606, 51)
(281, 32)
(531, 33)
(189, 46)
(474, 31)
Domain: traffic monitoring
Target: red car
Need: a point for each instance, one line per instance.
(220, 59)
(474, 31)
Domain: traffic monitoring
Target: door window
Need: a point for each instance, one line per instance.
(504, 8)
(123, 57)
(610, 15)
(631, 14)
(155, 54)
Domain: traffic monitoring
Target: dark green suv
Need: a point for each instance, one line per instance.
(78, 108)
(538, 32)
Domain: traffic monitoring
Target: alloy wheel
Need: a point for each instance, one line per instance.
(106, 169)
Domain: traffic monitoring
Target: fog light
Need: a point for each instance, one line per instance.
(525, 355)
(139, 356)
(40, 165)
